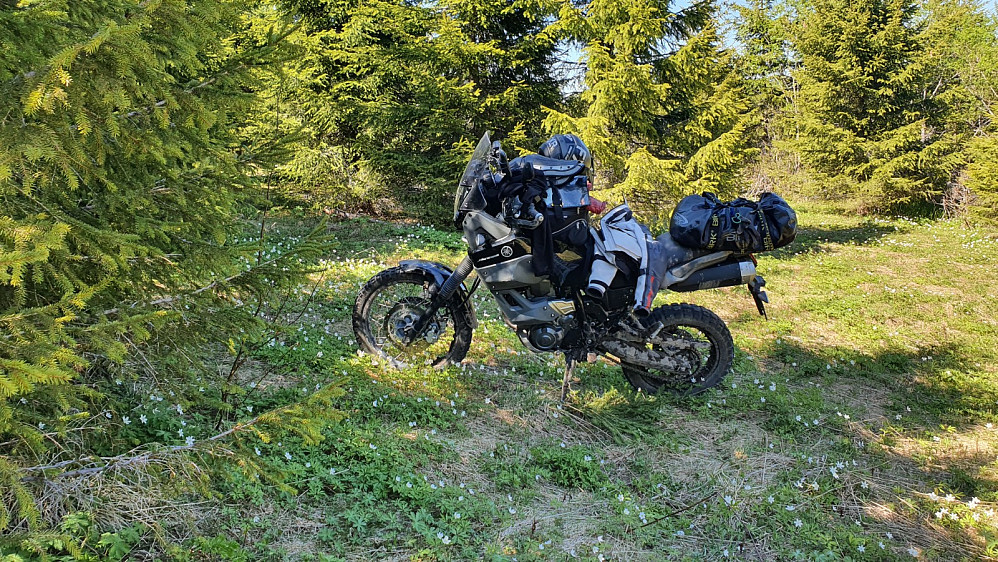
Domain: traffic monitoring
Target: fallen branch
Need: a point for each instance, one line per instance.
(124, 461)
(676, 512)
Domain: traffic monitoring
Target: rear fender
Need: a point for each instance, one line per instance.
(437, 273)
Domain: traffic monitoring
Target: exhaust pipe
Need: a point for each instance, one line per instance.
(727, 274)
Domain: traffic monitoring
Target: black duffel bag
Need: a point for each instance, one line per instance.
(704, 221)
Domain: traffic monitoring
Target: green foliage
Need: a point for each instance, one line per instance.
(570, 467)
(961, 41)
(982, 171)
(129, 174)
(665, 113)
(877, 102)
(386, 94)
(861, 115)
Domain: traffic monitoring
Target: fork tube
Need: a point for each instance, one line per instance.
(447, 290)
(452, 283)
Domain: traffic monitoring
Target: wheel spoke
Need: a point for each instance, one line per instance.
(393, 312)
(706, 346)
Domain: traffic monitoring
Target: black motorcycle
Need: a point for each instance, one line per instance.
(421, 313)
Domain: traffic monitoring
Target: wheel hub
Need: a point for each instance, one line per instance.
(400, 323)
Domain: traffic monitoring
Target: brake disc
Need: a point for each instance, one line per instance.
(400, 322)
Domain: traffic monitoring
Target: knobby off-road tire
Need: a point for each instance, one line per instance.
(394, 297)
(694, 322)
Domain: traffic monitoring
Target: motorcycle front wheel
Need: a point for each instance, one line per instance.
(689, 322)
(386, 310)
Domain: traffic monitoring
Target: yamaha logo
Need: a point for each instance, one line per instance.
(506, 251)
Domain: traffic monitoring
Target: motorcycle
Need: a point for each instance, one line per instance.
(421, 312)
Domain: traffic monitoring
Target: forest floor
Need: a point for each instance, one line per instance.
(859, 421)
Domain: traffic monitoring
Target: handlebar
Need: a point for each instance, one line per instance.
(525, 217)
(500, 155)
(532, 219)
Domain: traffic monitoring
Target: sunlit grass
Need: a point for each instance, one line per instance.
(859, 421)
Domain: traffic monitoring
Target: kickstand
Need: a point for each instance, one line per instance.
(569, 368)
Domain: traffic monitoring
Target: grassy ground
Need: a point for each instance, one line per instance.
(859, 422)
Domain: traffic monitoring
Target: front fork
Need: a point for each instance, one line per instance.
(440, 298)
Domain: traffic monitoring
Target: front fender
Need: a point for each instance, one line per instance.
(439, 273)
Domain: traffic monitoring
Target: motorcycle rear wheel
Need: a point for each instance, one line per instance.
(692, 322)
(387, 307)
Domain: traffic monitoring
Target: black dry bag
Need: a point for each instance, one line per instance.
(704, 221)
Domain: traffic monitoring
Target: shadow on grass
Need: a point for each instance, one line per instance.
(932, 405)
(817, 239)
(940, 385)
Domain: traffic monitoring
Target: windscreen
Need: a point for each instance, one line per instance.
(469, 196)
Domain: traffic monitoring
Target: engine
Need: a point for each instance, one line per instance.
(547, 337)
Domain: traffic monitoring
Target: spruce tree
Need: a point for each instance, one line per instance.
(395, 91)
(762, 29)
(866, 124)
(960, 76)
(126, 170)
(666, 115)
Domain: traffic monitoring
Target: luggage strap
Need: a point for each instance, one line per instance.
(556, 202)
(767, 238)
(715, 228)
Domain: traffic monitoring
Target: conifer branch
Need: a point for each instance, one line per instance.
(127, 461)
(203, 84)
(208, 287)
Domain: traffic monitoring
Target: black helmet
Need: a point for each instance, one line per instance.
(567, 147)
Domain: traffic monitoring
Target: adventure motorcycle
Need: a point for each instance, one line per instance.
(591, 296)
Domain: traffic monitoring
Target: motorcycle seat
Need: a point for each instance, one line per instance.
(666, 253)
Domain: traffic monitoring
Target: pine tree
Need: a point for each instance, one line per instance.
(666, 115)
